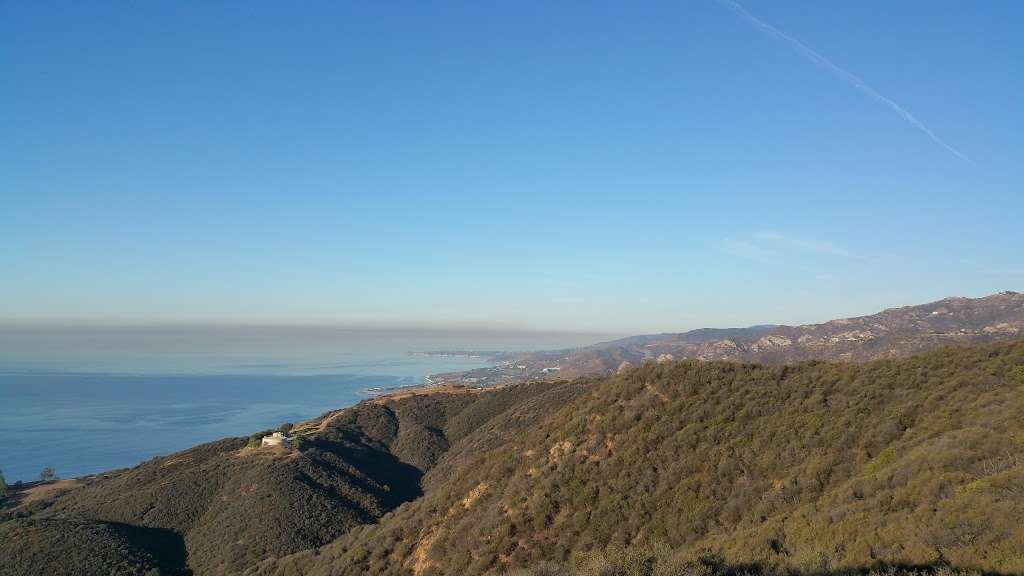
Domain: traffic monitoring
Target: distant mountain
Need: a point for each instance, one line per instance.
(891, 333)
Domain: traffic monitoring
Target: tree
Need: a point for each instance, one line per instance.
(256, 439)
(48, 475)
(3, 486)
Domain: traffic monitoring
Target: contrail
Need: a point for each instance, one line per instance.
(840, 72)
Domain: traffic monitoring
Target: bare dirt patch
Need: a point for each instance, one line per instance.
(47, 491)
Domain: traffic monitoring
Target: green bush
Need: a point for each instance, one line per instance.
(255, 439)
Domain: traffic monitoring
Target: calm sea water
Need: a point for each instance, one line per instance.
(85, 399)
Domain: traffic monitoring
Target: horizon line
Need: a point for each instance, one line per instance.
(492, 327)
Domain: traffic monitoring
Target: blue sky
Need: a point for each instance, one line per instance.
(620, 167)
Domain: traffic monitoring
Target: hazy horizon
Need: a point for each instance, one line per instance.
(464, 330)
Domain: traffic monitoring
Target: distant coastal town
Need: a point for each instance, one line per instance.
(485, 354)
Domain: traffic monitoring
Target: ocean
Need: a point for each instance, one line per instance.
(85, 399)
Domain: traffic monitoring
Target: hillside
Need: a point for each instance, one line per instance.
(225, 506)
(817, 467)
(814, 467)
(888, 334)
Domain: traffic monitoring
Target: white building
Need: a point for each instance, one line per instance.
(276, 439)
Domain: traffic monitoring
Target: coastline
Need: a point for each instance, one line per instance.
(83, 424)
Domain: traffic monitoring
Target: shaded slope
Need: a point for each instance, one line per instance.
(225, 506)
(74, 547)
(233, 505)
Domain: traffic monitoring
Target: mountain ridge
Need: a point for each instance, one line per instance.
(892, 332)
